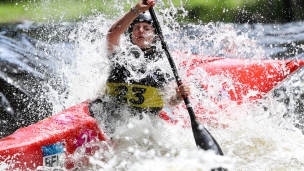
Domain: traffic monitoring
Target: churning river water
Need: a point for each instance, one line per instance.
(66, 64)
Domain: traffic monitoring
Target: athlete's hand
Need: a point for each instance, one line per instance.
(144, 5)
(183, 91)
(150, 2)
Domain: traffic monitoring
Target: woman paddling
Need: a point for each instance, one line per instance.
(138, 81)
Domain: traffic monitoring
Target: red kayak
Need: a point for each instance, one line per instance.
(241, 76)
(51, 141)
(43, 143)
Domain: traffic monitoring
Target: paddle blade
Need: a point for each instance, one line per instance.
(203, 138)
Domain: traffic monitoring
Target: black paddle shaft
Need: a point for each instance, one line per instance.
(202, 137)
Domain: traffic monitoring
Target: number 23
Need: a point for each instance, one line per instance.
(137, 91)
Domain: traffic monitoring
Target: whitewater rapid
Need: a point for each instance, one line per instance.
(251, 137)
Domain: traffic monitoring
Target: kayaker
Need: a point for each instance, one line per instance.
(139, 78)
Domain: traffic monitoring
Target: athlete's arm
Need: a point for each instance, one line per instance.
(122, 24)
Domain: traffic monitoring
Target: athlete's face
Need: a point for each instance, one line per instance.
(143, 35)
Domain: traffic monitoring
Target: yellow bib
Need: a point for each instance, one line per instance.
(136, 95)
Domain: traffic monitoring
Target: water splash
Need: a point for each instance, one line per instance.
(251, 137)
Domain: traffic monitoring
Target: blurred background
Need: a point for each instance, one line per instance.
(235, 11)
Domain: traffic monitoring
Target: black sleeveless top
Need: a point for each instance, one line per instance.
(136, 79)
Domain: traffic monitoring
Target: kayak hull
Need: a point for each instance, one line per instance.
(43, 143)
